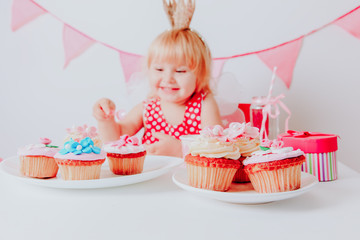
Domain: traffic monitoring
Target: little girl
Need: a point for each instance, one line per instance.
(180, 101)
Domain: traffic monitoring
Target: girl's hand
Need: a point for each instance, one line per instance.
(104, 109)
(167, 146)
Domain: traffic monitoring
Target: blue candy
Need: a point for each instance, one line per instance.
(87, 146)
(96, 150)
(87, 150)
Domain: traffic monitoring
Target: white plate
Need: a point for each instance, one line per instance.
(154, 166)
(244, 192)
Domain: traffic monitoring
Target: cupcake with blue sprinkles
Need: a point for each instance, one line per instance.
(80, 160)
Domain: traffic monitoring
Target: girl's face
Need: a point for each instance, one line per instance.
(173, 83)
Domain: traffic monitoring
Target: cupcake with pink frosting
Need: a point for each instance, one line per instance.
(37, 160)
(126, 156)
(246, 138)
(80, 160)
(79, 132)
(212, 161)
(275, 168)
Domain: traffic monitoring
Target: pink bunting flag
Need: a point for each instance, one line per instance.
(284, 58)
(24, 11)
(75, 43)
(130, 63)
(351, 23)
(217, 66)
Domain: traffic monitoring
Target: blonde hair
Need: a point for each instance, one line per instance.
(184, 45)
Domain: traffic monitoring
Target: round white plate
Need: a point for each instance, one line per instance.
(244, 192)
(154, 166)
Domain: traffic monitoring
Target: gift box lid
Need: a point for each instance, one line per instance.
(310, 142)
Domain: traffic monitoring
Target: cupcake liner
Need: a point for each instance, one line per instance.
(38, 166)
(126, 165)
(212, 178)
(212, 162)
(241, 176)
(79, 170)
(277, 180)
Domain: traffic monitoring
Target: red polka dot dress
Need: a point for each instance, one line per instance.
(155, 121)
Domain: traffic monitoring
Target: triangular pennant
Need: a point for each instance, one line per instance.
(130, 63)
(351, 23)
(217, 66)
(75, 43)
(284, 58)
(24, 11)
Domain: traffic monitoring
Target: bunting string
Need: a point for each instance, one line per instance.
(283, 56)
(293, 40)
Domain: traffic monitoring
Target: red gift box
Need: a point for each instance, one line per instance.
(320, 151)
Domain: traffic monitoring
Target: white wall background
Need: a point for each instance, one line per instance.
(38, 98)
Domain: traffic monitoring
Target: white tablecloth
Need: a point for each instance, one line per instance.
(158, 209)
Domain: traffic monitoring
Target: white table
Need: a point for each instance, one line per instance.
(158, 209)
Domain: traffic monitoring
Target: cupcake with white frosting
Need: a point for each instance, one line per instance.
(126, 156)
(275, 168)
(212, 161)
(37, 160)
(246, 138)
(80, 160)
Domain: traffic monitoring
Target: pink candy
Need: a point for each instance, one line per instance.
(84, 131)
(216, 131)
(266, 143)
(238, 130)
(252, 132)
(45, 141)
(125, 140)
(235, 130)
(276, 144)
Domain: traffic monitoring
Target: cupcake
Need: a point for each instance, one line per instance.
(80, 160)
(37, 160)
(246, 138)
(275, 168)
(126, 156)
(79, 132)
(212, 161)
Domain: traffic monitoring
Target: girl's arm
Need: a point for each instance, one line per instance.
(210, 114)
(132, 122)
(109, 129)
(166, 146)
